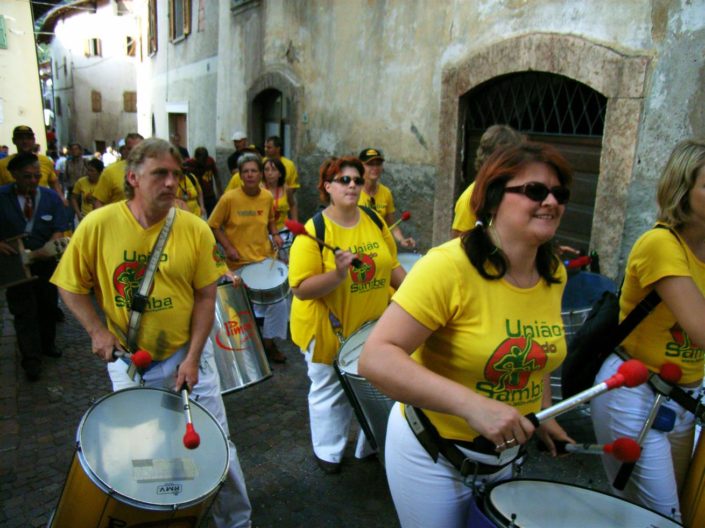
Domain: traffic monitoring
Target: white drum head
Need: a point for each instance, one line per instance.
(543, 504)
(349, 353)
(264, 275)
(407, 260)
(130, 444)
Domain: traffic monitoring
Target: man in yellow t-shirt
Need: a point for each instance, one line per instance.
(242, 221)
(109, 253)
(24, 140)
(85, 187)
(111, 187)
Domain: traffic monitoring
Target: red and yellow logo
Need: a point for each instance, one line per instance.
(513, 361)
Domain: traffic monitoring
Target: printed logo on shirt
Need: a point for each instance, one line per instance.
(218, 255)
(682, 347)
(126, 282)
(363, 276)
(250, 212)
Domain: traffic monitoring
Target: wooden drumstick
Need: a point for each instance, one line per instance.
(298, 228)
(404, 217)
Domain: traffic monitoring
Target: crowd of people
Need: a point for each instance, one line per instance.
(460, 354)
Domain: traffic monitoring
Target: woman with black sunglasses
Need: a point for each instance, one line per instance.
(335, 293)
(470, 340)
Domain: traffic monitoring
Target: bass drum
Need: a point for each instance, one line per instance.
(237, 346)
(132, 469)
(371, 406)
(532, 503)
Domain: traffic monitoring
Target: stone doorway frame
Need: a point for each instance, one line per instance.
(619, 76)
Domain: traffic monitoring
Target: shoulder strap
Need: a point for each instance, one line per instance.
(320, 226)
(374, 216)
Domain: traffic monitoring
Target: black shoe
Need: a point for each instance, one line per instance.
(53, 352)
(329, 468)
(32, 370)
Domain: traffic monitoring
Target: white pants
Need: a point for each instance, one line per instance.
(330, 413)
(661, 469)
(232, 506)
(426, 493)
(276, 317)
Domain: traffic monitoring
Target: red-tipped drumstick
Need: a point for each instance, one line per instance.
(140, 359)
(670, 373)
(298, 228)
(623, 449)
(191, 438)
(404, 217)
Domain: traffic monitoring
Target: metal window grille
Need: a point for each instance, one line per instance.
(535, 102)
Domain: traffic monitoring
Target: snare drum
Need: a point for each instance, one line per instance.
(132, 469)
(237, 345)
(544, 504)
(371, 406)
(407, 260)
(267, 282)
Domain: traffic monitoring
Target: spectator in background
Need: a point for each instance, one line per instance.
(176, 141)
(4, 151)
(203, 167)
(239, 139)
(75, 167)
(82, 196)
(111, 186)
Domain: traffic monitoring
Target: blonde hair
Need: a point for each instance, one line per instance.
(493, 138)
(678, 178)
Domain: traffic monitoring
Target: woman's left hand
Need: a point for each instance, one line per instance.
(549, 431)
(407, 242)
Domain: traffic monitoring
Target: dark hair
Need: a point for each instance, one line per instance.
(280, 167)
(96, 164)
(200, 153)
(21, 160)
(331, 168)
(500, 167)
(276, 141)
(493, 138)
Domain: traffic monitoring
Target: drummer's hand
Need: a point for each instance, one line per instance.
(232, 254)
(407, 242)
(343, 260)
(278, 240)
(187, 373)
(500, 423)
(549, 431)
(7, 249)
(103, 343)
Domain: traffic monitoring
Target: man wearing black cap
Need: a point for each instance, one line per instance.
(37, 213)
(377, 196)
(23, 138)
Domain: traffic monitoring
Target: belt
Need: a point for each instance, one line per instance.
(428, 436)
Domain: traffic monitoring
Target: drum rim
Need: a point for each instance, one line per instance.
(371, 322)
(496, 516)
(110, 492)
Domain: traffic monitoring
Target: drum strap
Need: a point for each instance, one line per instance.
(320, 226)
(428, 436)
(139, 299)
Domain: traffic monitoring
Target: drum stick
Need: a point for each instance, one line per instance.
(404, 217)
(140, 359)
(298, 228)
(191, 438)
(623, 449)
(670, 373)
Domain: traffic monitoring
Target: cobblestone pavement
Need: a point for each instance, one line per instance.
(268, 423)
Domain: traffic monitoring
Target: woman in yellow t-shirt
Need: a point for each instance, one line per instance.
(84, 188)
(471, 338)
(672, 262)
(333, 298)
(243, 221)
(284, 202)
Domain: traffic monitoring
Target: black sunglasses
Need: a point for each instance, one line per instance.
(345, 180)
(538, 192)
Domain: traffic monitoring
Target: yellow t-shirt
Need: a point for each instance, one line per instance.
(494, 338)
(234, 183)
(659, 338)
(362, 297)
(464, 216)
(281, 206)
(188, 192)
(245, 221)
(111, 186)
(46, 170)
(109, 252)
(382, 202)
(85, 189)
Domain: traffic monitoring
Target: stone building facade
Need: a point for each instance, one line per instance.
(334, 77)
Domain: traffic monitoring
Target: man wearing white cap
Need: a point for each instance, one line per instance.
(240, 143)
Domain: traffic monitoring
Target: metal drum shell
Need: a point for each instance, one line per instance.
(237, 345)
(272, 272)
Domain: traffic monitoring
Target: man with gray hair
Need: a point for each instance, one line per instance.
(109, 253)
